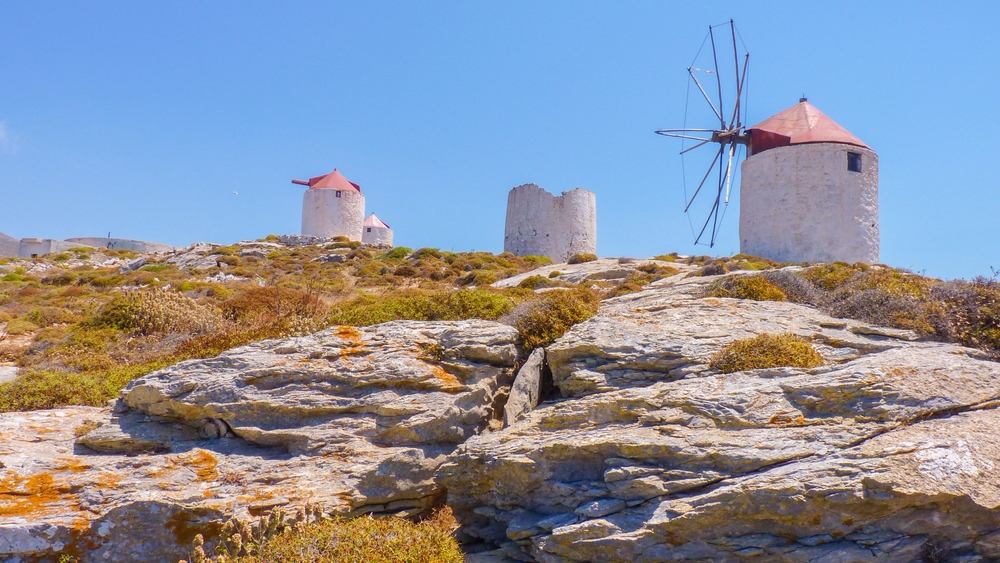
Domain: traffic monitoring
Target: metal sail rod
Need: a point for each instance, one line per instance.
(678, 136)
(718, 78)
(718, 195)
(729, 170)
(707, 99)
(696, 146)
(713, 211)
(736, 62)
(737, 118)
(672, 130)
(705, 177)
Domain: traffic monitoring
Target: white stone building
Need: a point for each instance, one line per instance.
(121, 244)
(376, 231)
(332, 206)
(539, 223)
(809, 191)
(35, 247)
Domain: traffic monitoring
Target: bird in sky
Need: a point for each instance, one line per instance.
(236, 193)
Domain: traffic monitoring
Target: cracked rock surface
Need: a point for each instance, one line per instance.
(355, 420)
(888, 452)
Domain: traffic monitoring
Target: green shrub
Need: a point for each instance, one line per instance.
(61, 257)
(535, 260)
(427, 252)
(35, 390)
(20, 326)
(756, 288)
(666, 257)
(153, 311)
(156, 267)
(551, 314)
(555, 274)
(581, 258)
(398, 253)
(829, 277)
(421, 305)
(271, 238)
(766, 351)
(536, 282)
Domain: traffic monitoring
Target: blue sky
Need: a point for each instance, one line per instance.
(141, 119)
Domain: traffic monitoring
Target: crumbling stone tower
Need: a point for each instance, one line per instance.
(542, 224)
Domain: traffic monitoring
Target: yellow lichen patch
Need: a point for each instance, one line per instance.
(32, 496)
(71, 464)
(349, 333)
(447, 380)
(201, 462)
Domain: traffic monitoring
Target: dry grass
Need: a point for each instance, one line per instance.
(756, 288)
(316, 538)
(766, 351)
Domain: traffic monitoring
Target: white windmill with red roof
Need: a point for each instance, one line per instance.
(332, 206)
(808, 187)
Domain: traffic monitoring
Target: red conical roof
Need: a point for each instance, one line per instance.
(801, 123)
(334, 180)
(373, 221)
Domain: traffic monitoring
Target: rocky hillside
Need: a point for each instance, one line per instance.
(625, 438)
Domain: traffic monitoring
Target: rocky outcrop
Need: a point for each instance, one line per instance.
(602, 269)
(887, 452)
(356, 420)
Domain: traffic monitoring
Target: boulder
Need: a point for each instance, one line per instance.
(356, 420)
(888, 451)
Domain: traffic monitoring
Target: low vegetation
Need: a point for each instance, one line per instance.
(80, 332)
(757, 288)
(766, 351)
(316, 538)
(960, 311)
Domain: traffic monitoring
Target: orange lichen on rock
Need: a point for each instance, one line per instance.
(35, 495)
(448, 381)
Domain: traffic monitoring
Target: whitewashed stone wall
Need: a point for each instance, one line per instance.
(800, 203)
(546, 225)
(30, 247)
(121, 244)
(377, 235)
(326, 215)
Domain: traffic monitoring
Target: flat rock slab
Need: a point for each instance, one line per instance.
(8, 373)
(887, 452)
(355, 420)
(595, 270)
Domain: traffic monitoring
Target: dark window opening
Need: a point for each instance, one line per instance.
(369, 229)
(854, 161)
(338, 193)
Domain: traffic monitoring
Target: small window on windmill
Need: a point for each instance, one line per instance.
(369, 229)
(854, 161)
(338, 193)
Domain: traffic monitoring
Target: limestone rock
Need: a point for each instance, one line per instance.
(888, 452)
(595, 270)
(356, 420)
(529, 387)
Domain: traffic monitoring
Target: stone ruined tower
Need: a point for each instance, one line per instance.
(809, 191)
(332, 206)
(376, 231)
(546, 225)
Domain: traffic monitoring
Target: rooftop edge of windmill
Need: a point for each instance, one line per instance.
(334, 180)
(373, 221)
(800, 124)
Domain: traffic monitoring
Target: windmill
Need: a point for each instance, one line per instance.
(729, 136)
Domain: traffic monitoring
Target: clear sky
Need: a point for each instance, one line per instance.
(143, 118)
